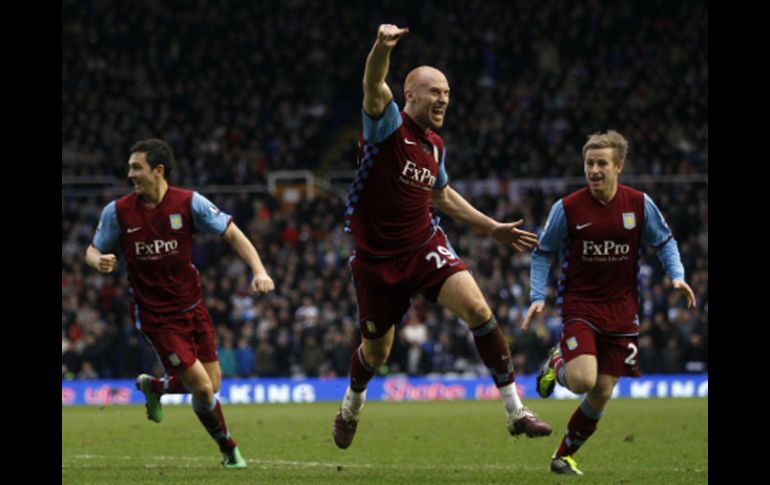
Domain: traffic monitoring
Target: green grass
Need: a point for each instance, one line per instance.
(659, 441)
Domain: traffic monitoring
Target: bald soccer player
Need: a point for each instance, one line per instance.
(400, 249)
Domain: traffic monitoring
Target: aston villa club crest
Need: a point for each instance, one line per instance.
(176, 221)
(629, 220)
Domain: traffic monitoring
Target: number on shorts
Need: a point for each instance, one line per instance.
(440, 262)
(631, 359)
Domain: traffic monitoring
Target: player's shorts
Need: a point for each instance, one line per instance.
(615, 355)
(384, 286)
(180, 338)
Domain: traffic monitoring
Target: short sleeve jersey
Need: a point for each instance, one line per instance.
(388, 211)
(157, 245)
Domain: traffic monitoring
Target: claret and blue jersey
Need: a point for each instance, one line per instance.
(388, 211)
(599, 249)
(157, 245)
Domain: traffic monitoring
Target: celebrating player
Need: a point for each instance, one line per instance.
(598, 229)
(400, 250)
(153, 228)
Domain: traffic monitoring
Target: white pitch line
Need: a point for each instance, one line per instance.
(294, 463)
(208, 461)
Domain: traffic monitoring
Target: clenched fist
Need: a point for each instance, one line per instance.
(389, 35)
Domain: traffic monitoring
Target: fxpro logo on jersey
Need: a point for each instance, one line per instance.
(605, 251)
(420, 178)
(156, 249)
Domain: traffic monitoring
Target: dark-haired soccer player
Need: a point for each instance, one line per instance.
(153, 228)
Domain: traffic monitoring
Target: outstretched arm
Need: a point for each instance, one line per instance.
(261, 282)
(377, 94)
(448, 201)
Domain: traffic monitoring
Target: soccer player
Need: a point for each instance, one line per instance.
(153, 228)
(597, 230)
(400, 250)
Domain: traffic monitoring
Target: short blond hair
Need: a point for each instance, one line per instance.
(611, 139)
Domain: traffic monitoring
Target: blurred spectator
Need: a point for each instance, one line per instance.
(87, 371)
(227, 357)
(265, 360)
(415, 334)
(312, 357)
(696, 355)
(671, 356)
(245, 358)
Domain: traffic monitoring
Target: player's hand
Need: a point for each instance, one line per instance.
(683, 287)
(535, 307)
(262, 283)
(107, 263)
(517, 239)
(389, 35)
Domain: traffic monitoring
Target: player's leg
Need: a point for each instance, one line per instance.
(593, 365)
(215, 374)
(582, 425)
(579, 375)
(209, 374)
(380, 307)
(200, 318)
(460, 294)
(370, 355)
(163, 337)
(208, 409)
(572, 363)
(154, 387)
(160, 385)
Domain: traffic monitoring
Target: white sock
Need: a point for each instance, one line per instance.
(352, 403)
(510, 398)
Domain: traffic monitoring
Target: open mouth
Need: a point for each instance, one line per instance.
(438, 113)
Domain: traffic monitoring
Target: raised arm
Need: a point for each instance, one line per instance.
(377, 94)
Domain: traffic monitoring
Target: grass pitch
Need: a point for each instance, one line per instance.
(658, 441)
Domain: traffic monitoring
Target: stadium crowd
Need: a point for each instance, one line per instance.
(242, 88)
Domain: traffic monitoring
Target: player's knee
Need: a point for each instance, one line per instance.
(581, 383)
(203, 389)
(376, 357)
(477, 314)
(602, 393)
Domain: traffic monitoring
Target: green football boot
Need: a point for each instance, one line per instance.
(152, 400)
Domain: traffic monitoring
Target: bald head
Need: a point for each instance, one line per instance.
(426, 90)
(423, 75)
